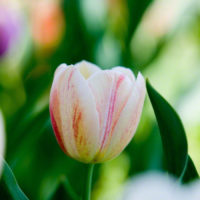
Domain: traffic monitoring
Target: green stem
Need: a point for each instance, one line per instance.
(88, 184)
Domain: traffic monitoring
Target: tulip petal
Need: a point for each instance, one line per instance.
(87, 68)
(73, 106)
(54, 106)
(126, 72)
(60, 69)
(111, 90)
(128, 121)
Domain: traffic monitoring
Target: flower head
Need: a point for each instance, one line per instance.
(95, 112)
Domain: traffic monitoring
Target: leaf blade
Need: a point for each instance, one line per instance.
(11, 183)
(190, 173)
(172, 132)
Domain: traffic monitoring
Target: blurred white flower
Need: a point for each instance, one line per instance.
(192, 191)
(158, 186)
(152, 186)
(2, 140)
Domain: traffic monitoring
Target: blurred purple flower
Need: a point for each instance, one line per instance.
(9, 28)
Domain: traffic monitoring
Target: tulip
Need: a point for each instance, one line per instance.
(94, 112)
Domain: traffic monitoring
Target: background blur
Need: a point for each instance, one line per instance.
(160, 38)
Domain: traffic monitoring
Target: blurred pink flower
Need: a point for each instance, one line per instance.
(95, 112)
(47, 24)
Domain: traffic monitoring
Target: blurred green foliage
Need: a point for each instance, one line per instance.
(108, 33)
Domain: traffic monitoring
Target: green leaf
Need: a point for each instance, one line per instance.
(64, 190)
(11, 183)
(172, 132)
(190, 173)
(69, 189)
(136, 10)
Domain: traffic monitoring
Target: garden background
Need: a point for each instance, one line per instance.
(160, 38)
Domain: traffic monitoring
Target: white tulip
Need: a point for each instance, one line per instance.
(95, 112)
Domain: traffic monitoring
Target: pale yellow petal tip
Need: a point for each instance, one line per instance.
(86, 63)
(86, 68)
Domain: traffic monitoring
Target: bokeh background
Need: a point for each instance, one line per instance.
(160, 38)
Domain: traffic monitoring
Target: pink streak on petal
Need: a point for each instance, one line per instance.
(111, 110)
(76, 120)
(77, 115)
(70, 77)
(56, 131)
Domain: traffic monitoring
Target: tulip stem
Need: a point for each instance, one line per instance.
(88, 184)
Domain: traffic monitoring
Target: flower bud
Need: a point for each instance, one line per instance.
(95, 112)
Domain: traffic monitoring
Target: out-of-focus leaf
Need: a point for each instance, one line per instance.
(33, 125)
(150, 161)
(65, 182)
(11, 183)
(172, 132)
(64, 190)
(136, 10)
(60, 193)
(190, 173)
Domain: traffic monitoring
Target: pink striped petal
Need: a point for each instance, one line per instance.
(128, 121)
(126, 72)
(111, 90)
(74, 115)
(60, 69)
(54, 105)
